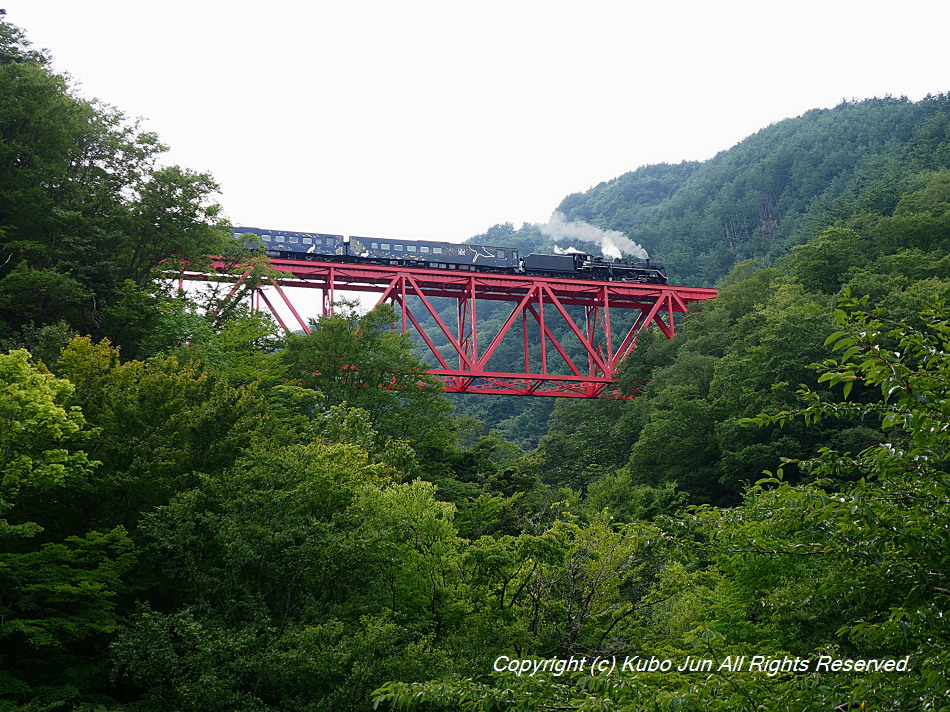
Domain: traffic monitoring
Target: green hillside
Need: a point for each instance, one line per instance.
(757, 200)
(770, 192)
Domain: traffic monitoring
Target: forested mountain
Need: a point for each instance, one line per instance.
(773, 191)
(768, 193)
(777, 187)
(199, 512)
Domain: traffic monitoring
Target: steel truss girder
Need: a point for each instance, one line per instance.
(600, 340)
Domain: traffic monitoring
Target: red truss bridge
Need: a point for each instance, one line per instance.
(597, 323)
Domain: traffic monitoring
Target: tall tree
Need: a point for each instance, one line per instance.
(89, 216)
(57, 593)
(363, 361)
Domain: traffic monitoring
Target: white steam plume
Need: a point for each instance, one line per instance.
(611, 241)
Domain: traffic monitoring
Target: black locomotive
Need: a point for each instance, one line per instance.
(449, 256)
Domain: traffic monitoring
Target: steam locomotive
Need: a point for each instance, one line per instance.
(448, 256)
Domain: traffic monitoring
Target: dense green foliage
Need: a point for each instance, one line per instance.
(88, 218)
(852, 571)
(200, 513)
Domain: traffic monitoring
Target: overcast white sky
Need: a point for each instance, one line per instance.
(436, 120)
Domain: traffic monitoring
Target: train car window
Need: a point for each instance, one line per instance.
(423, 249)
(399, 248)
(308, 241)
(385, 246)
(266, 238)
(294, 240)
(437, 250)
(411, 248)
(318, 241)
(374, 245)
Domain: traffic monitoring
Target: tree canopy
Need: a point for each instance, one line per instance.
(89, 218)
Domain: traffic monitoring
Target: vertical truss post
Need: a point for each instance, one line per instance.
(467, 323)
(328, 294)
(404, 302)
(524, 331)
(593, 322)
(543, 331)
